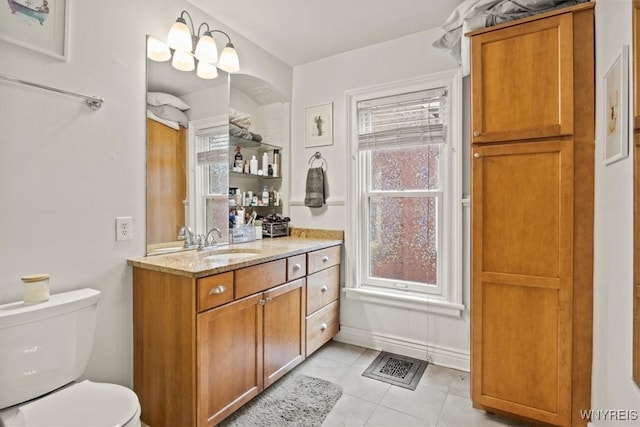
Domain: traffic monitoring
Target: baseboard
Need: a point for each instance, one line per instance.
(437, 354)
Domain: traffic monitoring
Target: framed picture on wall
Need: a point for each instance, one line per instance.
(39, 25)
(318, 125)
(616, 111)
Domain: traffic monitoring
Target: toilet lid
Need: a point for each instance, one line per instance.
(83, 404)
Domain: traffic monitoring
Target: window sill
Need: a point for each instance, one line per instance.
(402, 300)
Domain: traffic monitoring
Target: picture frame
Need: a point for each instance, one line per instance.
(319, 125)
(616, 108)
(38, 25)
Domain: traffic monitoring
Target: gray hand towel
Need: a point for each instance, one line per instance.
(315, 188)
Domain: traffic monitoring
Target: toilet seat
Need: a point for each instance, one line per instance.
(83, 404)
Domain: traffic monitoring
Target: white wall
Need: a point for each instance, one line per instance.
(613, 267)
(66, 171)
(325, 81)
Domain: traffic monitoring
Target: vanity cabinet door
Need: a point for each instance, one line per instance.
(284, 329)
(229, 358)
(522, 81)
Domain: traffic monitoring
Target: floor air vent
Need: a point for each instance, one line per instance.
(397, 370)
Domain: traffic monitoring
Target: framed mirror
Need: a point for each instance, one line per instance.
(182, 167)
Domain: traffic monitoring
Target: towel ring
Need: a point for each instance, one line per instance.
(318, 156)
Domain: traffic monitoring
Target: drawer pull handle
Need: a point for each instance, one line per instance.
(325, 258)
(476, 155)
(323, 326)
(297, 267)
(324, 288)
(218, 290)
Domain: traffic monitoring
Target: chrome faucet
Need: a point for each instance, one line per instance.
(186, 234)
(208, 240)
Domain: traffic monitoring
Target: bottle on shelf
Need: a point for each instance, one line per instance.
(276, 163)
(265, 196)
(238, 163)
(253, 165)
(265, 163)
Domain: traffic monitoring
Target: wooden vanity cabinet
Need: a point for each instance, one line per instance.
(532, 216)
(203, 347)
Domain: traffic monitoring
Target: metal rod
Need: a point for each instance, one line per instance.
(94, 102)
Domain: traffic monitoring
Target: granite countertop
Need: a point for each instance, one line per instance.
(193, 263)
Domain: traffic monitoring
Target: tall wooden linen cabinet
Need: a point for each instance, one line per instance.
(532, 124)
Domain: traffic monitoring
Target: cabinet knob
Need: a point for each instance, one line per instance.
(476, 133)
(268, 299)
(218, 290)
(325, 258)
(476, 155)
(297, 267)
(323, 326)
(324, 288)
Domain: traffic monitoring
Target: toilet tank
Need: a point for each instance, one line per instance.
(45, 346)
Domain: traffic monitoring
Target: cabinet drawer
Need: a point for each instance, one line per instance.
(322, 288)
(215, 290)
(319, 260)
(296, 267)
(259, 277)
(322, 326)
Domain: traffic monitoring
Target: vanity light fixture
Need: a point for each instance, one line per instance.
(188, 46)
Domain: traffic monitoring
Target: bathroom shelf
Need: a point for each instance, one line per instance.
(233, 174)
(234, 141)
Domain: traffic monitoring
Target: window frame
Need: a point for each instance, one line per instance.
(447, 297)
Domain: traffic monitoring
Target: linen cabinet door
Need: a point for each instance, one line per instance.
(229, 358)
(522, 81)
(522, 210)
(284, 329)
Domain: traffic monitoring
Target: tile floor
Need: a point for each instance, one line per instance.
(441, 398)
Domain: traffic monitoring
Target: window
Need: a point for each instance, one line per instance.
(405, 196)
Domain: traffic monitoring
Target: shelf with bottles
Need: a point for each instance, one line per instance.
(249, 158)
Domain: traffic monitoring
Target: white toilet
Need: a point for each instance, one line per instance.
(44, 348)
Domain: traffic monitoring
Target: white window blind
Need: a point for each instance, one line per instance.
(403, 120)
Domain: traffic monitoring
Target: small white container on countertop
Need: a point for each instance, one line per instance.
(35, 288)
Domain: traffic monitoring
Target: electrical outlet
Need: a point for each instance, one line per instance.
(124, 228)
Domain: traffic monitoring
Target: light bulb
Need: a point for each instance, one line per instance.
(229, 61)
(183, 61)
(206, 70)
(206, 49)
(179, 37)
(157, 50)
